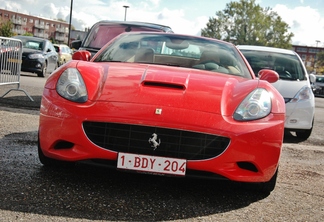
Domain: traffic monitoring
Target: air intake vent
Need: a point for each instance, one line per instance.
(164, 85)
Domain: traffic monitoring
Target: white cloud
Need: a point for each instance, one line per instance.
(305, 22)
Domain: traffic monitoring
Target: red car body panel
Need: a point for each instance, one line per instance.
(191, 100)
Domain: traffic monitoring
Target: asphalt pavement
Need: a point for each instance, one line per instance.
(26, 95)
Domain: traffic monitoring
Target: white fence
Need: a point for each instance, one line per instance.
(10, 64)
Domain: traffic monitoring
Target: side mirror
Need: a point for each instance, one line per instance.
(268, 75)
(81, 55)
(76, 44)
(312, 78)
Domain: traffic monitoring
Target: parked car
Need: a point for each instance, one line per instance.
(103, 31)
(64, 52)
(38, 56)
(166, 104)
(294, 84)
(319, 85)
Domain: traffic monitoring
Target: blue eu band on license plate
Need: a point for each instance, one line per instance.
(152, 164)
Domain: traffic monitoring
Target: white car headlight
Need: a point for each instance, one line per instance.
(304, 93)
(71, 86)
(255, 106)
(35, 56)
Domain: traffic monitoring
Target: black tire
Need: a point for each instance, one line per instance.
(49, 162)
(46, 161)
(263, 187)
(43, 72)
(304, 134)
(269, 186)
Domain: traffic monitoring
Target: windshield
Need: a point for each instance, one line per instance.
(320, 79)
(32, 44)
(175, 50)
(289, 67)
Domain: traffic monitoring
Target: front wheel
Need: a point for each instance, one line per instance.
(46, 161)
(42, 73)
(263, 187)
(267, 187)
(304, 134)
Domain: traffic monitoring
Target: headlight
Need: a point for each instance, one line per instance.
(71, 86)
(304, 93)
(255, 106)
(35, 56)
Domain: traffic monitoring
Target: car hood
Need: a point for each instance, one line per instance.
(172, 87)
(288, 89)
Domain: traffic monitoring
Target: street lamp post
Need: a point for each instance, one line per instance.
(126, 7)
(69, 37)
(314, 67)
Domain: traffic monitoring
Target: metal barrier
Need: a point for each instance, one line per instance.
(10, 64)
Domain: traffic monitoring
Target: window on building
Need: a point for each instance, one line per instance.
(301, 49)
(312, 50)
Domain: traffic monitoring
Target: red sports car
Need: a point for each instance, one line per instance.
(165, 104)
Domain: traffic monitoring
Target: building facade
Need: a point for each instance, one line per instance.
(308, 55)
(57, 31)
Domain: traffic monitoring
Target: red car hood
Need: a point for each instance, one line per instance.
(171, 86)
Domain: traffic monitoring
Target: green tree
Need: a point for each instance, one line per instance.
(320, 62)
(247, 23)
(28, 34)
(6, 29)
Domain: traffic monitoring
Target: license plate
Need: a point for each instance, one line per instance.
(152, 164)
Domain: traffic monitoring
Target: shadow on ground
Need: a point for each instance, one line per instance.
(21, 101)
(100, 193)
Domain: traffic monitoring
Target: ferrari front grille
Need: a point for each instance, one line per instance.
(155, 141)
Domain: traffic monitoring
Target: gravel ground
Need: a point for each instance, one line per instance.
(30, 192)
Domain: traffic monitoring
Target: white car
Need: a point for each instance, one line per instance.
(294, 84)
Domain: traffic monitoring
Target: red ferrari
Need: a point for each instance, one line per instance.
(165, 104)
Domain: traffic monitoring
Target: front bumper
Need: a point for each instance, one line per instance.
(251, 155)
(300, 115)
(32, 65)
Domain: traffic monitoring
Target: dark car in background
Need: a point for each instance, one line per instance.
(104, 31)
(38, 55)
(319, 86)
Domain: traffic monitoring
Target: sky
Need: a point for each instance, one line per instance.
(304, 17)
